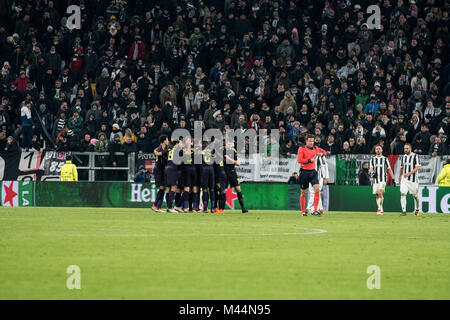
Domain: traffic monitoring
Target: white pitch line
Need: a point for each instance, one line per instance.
(314, 231)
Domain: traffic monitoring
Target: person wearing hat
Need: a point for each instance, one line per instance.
(115, 131)
(372, 106)
(21, 82)
(142, 175)
(69, 170)
(102, 144)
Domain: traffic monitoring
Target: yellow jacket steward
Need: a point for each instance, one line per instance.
(444, 176)
(69, 172)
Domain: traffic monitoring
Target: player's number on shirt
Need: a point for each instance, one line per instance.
(170, 156)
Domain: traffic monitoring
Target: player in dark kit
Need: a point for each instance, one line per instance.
(179, 192)
(307, 156)
(220, 176)
(159, 171)
(230, 170)
(207, 181)
(190, 178)
(171, 175)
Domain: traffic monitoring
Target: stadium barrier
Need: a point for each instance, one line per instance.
(257, 196)
(46, 166)
(135, 195)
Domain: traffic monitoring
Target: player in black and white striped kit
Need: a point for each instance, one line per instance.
(322, 172)
(379, 167)
(409, 178)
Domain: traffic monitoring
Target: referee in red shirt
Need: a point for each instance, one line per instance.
(306, 156)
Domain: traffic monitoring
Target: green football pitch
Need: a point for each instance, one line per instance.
(138, 254)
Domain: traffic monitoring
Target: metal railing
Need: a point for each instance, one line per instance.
(99, 166)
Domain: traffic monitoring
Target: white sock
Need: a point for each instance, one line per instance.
(417, 202)
(379, 203)
(403, 203)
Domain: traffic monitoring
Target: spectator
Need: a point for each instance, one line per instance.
(75, 122)
(171, 63)
(142, 175)
(438, 148)
(129, 145)
(27, 126)
(102, 144)
(11, 145)
(362, 147)
(331, 146)
(364, 176)
(444, 175)
(294, 178)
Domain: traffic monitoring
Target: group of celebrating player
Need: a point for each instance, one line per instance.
(185, 182)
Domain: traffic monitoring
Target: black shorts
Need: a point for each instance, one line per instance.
(221, 179)
(180, 177)
(190, 177)
(232, 178)
(207, 177)
(307, 177)
(158, 173)
(171, 176)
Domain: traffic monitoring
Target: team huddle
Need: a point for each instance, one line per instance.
(185, 182)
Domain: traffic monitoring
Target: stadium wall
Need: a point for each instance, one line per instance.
(257, 196)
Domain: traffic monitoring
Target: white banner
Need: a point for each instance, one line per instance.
(429, 169)
(259, 168)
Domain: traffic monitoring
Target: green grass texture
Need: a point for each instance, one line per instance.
(139, 254)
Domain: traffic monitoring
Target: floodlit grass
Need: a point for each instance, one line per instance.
(138, 254)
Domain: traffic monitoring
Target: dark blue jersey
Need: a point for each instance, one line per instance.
(170, 156)
(228, 164)
(161, 161)
(207, 158)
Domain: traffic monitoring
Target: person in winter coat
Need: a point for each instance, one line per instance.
(75, 122)
(444, 176)
(168, 93)
(129, 145)
(90, 63)
(255, 123)
(11, 145)
(77, 64)
(312, 92)
(53, 60)
(102, 144)
(21, 82)
(142, 175)
(363, 176)
(137, 49)
(288, 101)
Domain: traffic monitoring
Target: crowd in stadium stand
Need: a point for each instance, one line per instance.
(138, 69)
